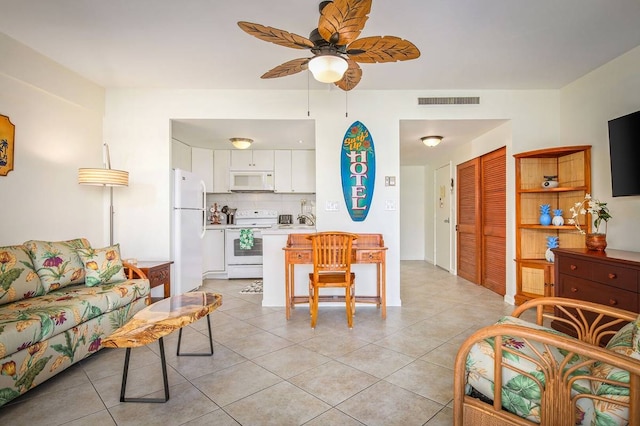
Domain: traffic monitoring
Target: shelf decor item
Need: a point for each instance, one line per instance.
(594, 240)
(545, 217)
(550, 182)
(552, 242)
(557, 219)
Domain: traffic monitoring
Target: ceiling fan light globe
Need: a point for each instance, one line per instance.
(328, 68)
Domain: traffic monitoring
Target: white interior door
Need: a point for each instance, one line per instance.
(443, 195)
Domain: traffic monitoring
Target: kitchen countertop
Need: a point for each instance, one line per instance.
(277, 229)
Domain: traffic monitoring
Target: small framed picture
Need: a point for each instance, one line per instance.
(7, 132)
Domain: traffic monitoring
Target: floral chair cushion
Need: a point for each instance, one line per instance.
(521, 394)
(18, 279)
(57, 263)
(623, 343)
(636, 338)
(102, 266)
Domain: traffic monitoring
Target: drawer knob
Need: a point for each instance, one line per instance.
(573, 267)
(612, 276)
(299, 256)
(574, 290)
(370, 255)
(613, 302)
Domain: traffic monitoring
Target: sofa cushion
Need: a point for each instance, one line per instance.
(18, 279)
(521, 394)
(57, 263)
(29, 321)
(102, 266)
(635, 343)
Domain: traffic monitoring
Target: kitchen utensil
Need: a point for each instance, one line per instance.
(285, 219)
(231, 216)
(225, 209)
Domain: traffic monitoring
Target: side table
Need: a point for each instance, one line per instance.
(158, 272)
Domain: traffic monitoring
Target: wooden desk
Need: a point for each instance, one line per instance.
(158, 272)
(368, 248)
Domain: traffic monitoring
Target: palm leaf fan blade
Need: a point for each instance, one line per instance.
(288, 68)
(351, 77)
(341, 21)
(275, 35)
(382, 49)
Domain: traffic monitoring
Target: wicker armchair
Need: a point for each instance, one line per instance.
(560, 379)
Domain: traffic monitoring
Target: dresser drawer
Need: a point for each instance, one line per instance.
(369, 256)
(576, 288)
(616, 276)
(575, 267)
(302, 256)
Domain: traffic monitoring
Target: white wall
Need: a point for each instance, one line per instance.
(137, 121)
(412, 213)
(58, 128)
(586, 106)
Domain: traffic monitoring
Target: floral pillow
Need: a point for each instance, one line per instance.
(18, 280)
(57, 263)
(636, 339)
(103, 266)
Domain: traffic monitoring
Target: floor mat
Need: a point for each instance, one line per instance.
(253, 288)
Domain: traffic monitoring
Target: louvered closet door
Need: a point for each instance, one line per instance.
(468, 221)
(494, 213)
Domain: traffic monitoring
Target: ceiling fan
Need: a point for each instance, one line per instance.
(335, 45)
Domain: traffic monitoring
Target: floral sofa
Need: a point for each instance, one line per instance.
(57, 301)
(547, 377)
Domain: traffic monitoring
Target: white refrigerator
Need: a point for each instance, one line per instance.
(189, 225)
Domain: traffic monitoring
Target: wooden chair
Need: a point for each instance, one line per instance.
(332, 268)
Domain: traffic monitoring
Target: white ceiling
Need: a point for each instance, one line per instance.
(196, 44)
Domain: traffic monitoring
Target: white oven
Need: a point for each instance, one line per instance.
(244, 261)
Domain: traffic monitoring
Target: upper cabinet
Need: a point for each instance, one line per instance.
(295, 171)
(180, 155)
(202, 165)
(247, 159)
(568, 172)
(221, 164)
(303, 171)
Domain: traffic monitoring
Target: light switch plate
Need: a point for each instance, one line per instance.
(331, 206)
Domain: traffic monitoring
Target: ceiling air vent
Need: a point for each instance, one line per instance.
(471, 100)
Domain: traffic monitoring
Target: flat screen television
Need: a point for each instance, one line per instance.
(624, 148)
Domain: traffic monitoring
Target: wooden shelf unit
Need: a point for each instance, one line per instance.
(534, 275)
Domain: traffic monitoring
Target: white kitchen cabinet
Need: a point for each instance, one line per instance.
(213, 251)
(248, 159)
(303, 171)
(282, 171)
(180, 155)
(295, 171)
(202, 165)
(221, 164)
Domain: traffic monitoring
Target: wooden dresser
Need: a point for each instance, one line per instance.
(609, 278)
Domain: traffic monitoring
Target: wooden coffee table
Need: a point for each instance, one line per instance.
(158, 320)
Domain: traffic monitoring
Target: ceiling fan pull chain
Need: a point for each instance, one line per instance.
(346, 104)
(308, 109)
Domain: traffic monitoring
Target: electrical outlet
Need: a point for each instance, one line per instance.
(389, 181)
(390, 204)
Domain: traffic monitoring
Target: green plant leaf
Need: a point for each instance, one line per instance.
(7, 278)
(524, 386)
(7, 394)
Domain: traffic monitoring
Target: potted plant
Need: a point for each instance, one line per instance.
(594, 240)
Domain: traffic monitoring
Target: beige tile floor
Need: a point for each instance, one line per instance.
(270, 371)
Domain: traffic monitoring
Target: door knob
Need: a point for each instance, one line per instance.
(446, 220)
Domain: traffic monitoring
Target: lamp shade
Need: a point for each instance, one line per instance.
(105, 177)
(328, 68)
(241, 143)
(431, 140)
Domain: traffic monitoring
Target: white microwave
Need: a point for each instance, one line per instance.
(251, 182)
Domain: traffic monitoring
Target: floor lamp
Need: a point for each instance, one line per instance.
(105, 177)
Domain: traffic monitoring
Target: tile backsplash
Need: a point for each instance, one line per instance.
(283, 203)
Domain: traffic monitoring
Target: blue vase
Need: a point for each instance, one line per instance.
(545, 219)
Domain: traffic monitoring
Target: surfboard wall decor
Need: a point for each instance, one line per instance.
(358, 169)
